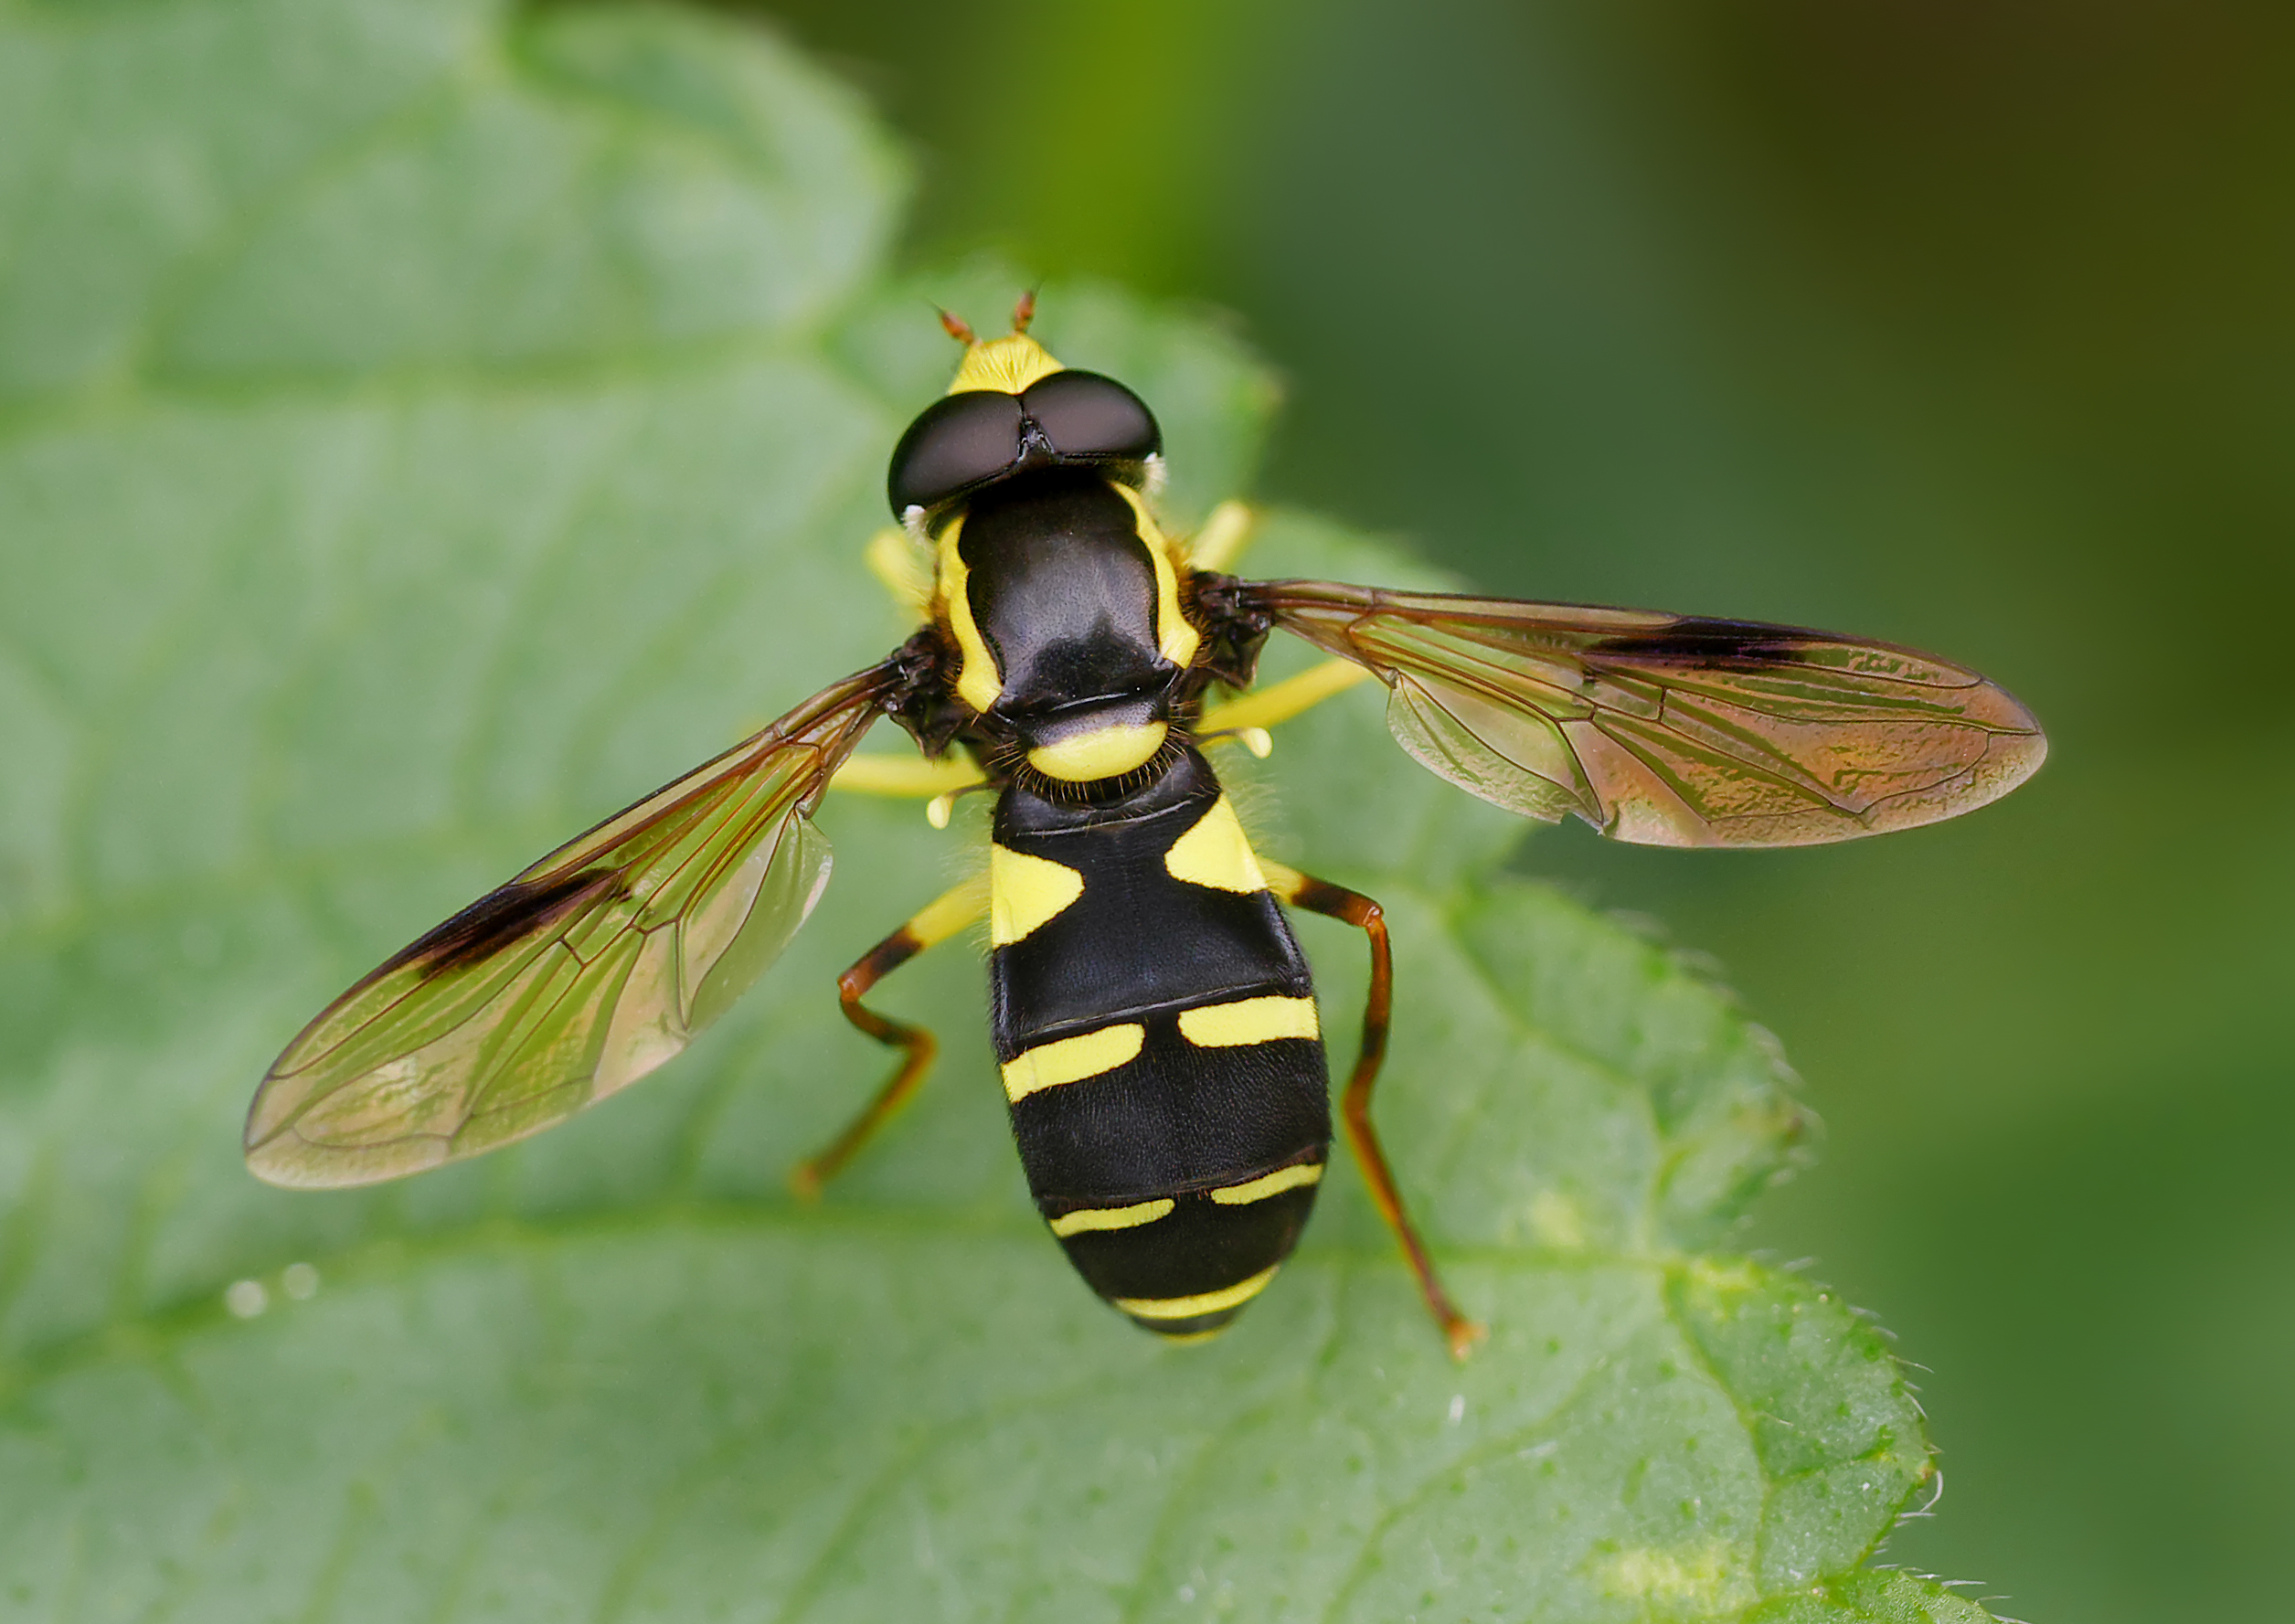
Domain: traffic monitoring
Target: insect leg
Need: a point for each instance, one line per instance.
(1354, 908)
(898, 562)
(1279, 702)
(937, 783)
(940, 918)
(1224, 534)
(879, 774)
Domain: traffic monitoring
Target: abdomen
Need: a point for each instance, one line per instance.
(1156, 1027)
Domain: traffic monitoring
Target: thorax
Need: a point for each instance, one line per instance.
(1062, 599)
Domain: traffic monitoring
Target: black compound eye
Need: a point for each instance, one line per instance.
(956, 442)
(1088, 418)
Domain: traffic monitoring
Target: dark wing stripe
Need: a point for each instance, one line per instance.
(499, 918)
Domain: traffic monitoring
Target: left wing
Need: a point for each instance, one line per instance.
(575, 979)
(1668, 730)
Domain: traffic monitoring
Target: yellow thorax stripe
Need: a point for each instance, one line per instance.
(978, 682)
(1023, 892)
(1270, 1184)
(1175, 639)
(1072, 1059)
(1216, 852)
(1203, 1302)
(1113, 1217)
(1249, 1021)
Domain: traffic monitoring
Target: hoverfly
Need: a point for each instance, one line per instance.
(1153, 1016)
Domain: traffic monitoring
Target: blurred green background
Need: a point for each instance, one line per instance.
(1963, 324)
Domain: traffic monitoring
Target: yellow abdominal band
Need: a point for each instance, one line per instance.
(1206, 1303)
(1072, 1059)
(1104, 752)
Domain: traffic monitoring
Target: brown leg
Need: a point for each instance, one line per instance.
(943, 919)
(1352, 908)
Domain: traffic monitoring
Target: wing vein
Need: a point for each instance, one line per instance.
(1668, 729)
(575, 978)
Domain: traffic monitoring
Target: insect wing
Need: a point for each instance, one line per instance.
(1667, 729)
(576, 978)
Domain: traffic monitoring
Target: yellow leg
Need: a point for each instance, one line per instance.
(1264, 708)
(937, 783)
(942, 917)
(897, 561)
(1224, 536)
(906, 777)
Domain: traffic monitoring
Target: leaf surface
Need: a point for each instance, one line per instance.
(424, 427)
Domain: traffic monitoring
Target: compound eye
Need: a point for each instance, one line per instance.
(955, 443)
(1088, 418)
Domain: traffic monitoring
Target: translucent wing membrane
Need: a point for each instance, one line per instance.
(1668, 730)
(574, 979)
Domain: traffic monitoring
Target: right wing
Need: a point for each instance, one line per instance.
(1670, 729)
(576, 978)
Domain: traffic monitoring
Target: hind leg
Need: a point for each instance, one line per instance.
(1354, 908)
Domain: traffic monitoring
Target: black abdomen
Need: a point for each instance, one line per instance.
(1156, 1027)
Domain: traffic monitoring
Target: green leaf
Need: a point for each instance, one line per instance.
(425, 427)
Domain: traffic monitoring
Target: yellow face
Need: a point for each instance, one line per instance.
(1010, 365)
